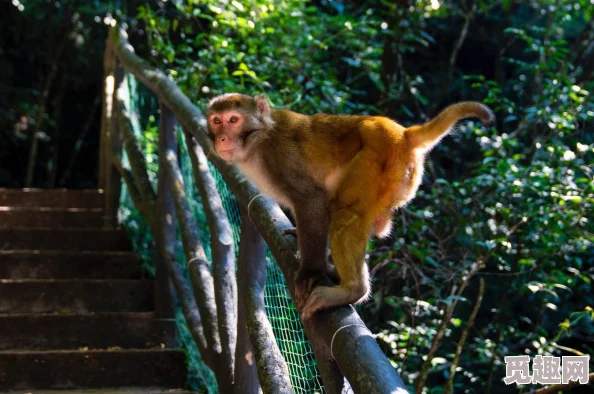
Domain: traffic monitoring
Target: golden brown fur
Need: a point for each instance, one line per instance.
(341, 176)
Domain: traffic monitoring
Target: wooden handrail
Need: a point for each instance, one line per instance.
(354, 352)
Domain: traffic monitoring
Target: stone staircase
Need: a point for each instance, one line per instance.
(75, 311)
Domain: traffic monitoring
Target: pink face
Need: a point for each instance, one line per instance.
(227, 127)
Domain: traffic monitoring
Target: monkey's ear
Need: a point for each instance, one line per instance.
(262, 103)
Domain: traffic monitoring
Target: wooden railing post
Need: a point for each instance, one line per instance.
(246, 370)
(268, 361)
(165, 222)
(113, 148)
(107, 107)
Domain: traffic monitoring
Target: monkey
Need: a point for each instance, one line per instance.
(342, 177)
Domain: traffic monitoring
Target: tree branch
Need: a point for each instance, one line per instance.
(445, 321)
(479, 300)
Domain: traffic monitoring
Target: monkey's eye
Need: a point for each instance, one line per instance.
(233, 119)
(217, 121)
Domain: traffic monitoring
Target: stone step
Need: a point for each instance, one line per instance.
(75, 296)
(93, 331)
(20, 370)
(63, 239)
(57, 198)
(51, 217)
(41, 264)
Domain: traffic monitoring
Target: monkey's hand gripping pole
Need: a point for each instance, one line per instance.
(342, 344)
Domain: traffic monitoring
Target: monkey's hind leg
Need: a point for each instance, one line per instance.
(348, 250)
(352, 214)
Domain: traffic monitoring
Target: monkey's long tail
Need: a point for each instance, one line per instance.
(426, 136)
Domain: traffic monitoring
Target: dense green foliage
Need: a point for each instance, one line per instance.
(512, 205)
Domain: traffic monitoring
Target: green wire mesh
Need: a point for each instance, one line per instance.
(280, 309)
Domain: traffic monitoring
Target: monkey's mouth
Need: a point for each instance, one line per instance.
(227, 154)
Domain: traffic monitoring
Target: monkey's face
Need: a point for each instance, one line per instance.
(235, 124)
(228, 130)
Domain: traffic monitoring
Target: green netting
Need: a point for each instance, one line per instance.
(280, 309)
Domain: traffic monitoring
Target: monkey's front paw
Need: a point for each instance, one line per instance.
(305, 281)
(315, 303)
(291, 231)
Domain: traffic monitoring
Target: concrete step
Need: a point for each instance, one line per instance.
(51, 217)
(63, 239)
(57, 198)
(93, 331)
(43, 264)
(75, 296)
(21, 370)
